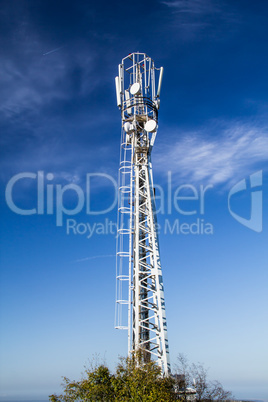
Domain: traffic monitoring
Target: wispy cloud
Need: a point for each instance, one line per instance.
(217, 156)
(200, 7)
(191, 17)
(47, 110)
(36, 81)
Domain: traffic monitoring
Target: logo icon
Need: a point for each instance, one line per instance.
(255, 220)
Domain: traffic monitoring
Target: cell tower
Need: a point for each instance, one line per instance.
(140, 303)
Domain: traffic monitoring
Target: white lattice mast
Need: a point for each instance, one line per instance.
(140, 304)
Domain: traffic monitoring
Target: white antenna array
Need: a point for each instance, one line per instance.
(140, 303)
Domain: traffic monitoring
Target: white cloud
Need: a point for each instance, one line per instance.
(35, 136)
(190, 18)
(38, 79)
(214, 156)
(193, 6)
(35, 70)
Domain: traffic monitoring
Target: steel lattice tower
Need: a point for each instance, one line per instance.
(140, 303)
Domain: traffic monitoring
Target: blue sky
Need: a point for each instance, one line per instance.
(58, 115)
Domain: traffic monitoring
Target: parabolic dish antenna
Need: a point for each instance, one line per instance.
(128, 127)
(135, 88)
(150, 125)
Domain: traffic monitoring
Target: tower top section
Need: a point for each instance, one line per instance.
(136, 91)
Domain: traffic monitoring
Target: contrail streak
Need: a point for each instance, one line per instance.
(52, 51)
(95, 256)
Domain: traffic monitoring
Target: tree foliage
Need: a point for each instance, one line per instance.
(97, 386)
(133, 381)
